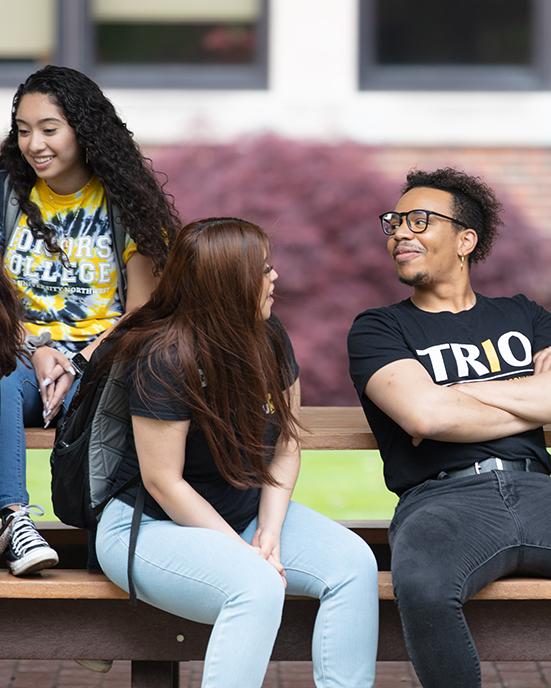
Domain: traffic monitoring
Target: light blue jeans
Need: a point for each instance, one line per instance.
(20, 407)
(209, 577)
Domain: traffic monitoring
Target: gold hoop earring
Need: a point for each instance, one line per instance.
(462, 262)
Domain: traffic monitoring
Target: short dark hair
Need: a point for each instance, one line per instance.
(474, 203)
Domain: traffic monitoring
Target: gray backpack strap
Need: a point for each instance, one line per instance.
(119, 235)
(11, 212)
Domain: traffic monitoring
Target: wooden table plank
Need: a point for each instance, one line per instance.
(335, 427)
(329, 427)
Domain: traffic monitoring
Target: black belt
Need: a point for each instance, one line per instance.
(495, 464)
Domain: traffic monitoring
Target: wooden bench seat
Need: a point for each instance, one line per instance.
(67, 612)
(63, 614)
(61, 584)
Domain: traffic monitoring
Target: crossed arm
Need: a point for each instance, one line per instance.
(464, 413)
(527, 397)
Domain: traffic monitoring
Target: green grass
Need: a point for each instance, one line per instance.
(38, 481)
(342, 485)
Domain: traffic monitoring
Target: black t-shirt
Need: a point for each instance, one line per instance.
(494, 340)
(237, 506)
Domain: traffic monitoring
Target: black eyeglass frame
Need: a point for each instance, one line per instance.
(417, 210)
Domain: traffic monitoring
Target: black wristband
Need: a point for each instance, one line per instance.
(79, 363)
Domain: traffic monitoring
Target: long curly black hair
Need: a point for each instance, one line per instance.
(474, 203)
(112, 155)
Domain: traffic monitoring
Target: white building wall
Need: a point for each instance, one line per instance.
(312, 93)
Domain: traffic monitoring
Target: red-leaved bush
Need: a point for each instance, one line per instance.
(320, 204)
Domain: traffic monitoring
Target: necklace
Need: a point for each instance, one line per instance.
(66, 230)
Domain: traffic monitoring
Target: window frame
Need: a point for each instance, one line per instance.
(372, 76)
(75, 48)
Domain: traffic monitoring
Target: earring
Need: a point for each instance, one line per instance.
(462, 262)
(87, 156)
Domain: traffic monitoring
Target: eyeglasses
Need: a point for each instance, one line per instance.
(417, 220)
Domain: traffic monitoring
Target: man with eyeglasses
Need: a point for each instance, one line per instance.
(455, 387)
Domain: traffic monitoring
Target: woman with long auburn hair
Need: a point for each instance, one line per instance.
(85, 229)
(213, 393)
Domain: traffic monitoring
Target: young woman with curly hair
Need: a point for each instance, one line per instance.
(71, 165)
(213, 393)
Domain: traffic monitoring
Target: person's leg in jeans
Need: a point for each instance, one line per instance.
(20, 406)
(325, 560)
(20, 402)
(449, 539)
(205, 576)
(527, 496)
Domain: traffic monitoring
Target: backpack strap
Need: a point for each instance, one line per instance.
(134, 528)
(119, 239)
(9, 203)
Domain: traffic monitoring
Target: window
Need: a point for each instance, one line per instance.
(195, 44)
(27, 37)
(138, 43)
(472, 44)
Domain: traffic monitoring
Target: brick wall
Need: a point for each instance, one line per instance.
(521, 174)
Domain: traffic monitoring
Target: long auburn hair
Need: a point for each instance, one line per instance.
(204, 320)
(11, 331)
(125, 174)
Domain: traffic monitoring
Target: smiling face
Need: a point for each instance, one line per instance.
(266, 295)
(49, 144)
(426, 258)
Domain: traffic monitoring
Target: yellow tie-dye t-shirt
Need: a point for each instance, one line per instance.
(77, 303)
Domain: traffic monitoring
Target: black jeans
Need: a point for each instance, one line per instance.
(449, 539)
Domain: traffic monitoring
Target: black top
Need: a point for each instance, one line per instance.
(494, 340)
(237, 506)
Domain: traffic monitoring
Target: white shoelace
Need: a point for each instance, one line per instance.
(24, 534)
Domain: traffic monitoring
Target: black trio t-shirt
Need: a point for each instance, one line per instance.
(237, 506)
(494, 340)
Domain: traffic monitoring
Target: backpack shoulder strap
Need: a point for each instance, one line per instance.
(134, 530)
(4, 184)
(9, 203)
(119, 237)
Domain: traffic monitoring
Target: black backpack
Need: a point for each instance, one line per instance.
(89, 445)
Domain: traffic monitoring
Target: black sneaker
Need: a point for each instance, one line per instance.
(5, 531)
(27, 551)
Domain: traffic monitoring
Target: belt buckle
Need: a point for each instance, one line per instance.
(477, 467)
